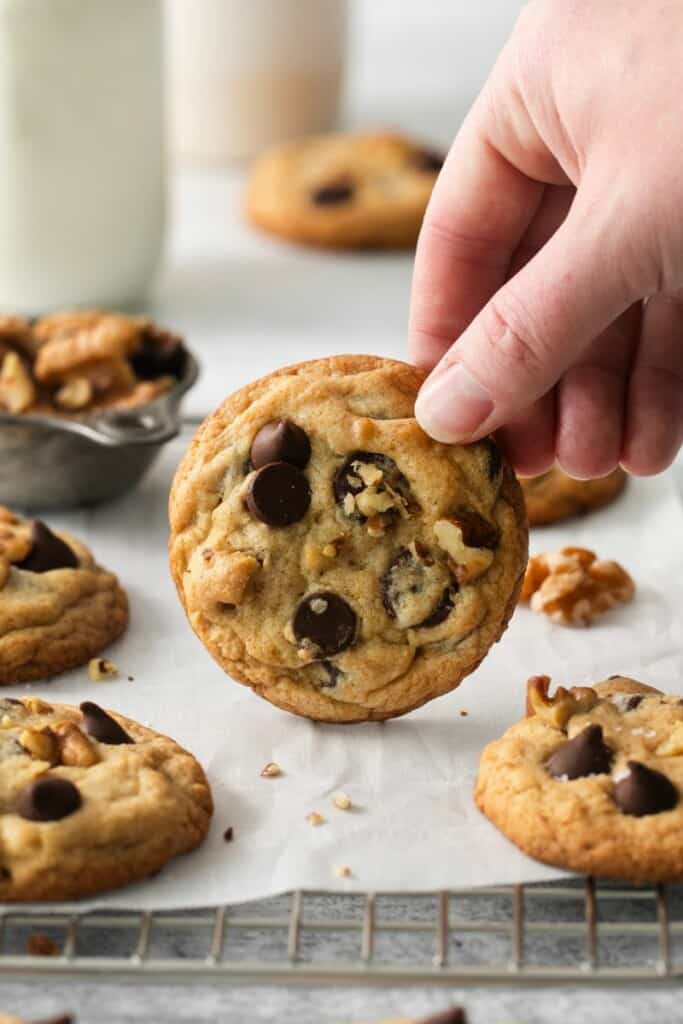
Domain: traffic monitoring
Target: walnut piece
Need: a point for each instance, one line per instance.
(100, 669)
(75, 749)
(314, 818)
(342, 801)
(559, 709)
(5, 566)
(271, 770)
(75, 394)
(468, 562)
(573, 586)
(40, 744)
(17, 390)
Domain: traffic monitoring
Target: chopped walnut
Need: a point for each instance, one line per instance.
(468, 562)
(40, 744)
(36, 706)
(315, 819)
(271, 770)
(559, 709)
(75, 749)
(17, 390)
(100, 669)
(572, 586)
(342, 801)
(75, 394)
(343, 871)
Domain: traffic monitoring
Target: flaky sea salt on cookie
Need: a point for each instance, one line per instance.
(331, 555)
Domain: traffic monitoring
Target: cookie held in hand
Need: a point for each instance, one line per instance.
(90, 801)
(591, 780)
(331, 555)
(58, 608)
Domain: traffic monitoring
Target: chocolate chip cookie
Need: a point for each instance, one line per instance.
(592, 780)
(554, 496)
(90, 800)
(344, 191)
(57, 606)
(334, 557)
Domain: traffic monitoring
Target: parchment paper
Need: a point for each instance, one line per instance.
(413, 825)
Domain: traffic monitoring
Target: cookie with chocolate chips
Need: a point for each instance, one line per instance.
(554, 496)
(344, 191)
(331, 555)
(90, 801)
(592, 780)
(58, 608)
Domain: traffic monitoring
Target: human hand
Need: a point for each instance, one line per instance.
(559, 210)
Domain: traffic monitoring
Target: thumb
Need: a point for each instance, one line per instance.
(535, 327)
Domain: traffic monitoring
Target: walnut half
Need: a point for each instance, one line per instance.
(573, 586)
(557, 710)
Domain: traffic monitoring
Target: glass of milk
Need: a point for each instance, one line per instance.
(245, 73)
(81, 152)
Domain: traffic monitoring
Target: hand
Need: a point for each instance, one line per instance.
(548, 285)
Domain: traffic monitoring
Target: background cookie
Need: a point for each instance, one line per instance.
(57, 606)
(90, 800)
(592, 780)
(334, 557)
(345, 191)
(554, 495)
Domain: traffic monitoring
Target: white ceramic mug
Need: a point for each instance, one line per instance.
(245, 73)
(81, 144)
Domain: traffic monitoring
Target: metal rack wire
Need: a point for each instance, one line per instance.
(579, 931)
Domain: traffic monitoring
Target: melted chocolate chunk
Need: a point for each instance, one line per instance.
(278, 494)
(325, 620)
(586, 754)
(48, 551)
(333, 194)
(348, 481)
(633, 702)
(159, 355)
(280, 441)
(332, 673)
(101, 726)
(644, 791)
(427, 160)
(417, 592)
(48, 799)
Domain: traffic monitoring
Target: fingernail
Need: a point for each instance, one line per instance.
(452, 404)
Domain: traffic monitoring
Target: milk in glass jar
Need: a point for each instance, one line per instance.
(81, 152)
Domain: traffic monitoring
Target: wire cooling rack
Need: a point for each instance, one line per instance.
(579, 931)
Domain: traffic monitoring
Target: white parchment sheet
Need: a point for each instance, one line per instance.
(413, 825)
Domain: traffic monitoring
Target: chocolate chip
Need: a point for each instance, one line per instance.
(347, 481)
(417, 591)
(494, 458)
(644, 791)
(159, 355)
(280, 441)
(278, 494)
(48, 551)
(427, 160)
(325, 620)
(48, 799)
(634, 702)
(101, 726)
(477, 532)
(333, 194)
(332, 673)
(586, 754)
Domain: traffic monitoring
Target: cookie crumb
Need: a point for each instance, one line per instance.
(315, 819)
(343, 871)
(100, 669)
(342, 801)
(40, 944)
(271, 770)
(229, 834)
(464, 714)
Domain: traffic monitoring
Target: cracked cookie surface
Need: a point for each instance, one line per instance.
(331, 555)
(90, 800)
(554, 496)
(58, 608)
(345, 191)
(591, 780)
